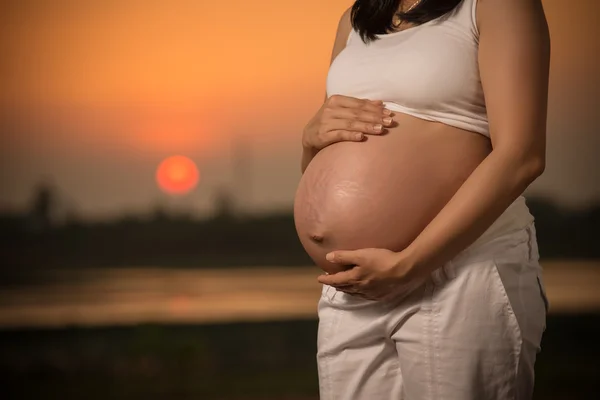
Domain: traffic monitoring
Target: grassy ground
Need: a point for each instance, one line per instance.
(273, 360)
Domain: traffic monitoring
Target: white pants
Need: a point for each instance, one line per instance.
(471, 333)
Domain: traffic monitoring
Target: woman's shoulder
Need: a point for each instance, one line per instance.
(344, 29)
(345, 24)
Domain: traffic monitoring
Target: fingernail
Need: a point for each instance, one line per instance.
(387, 120)
(387, 111)
(330, 256)
(359, 136)
(378, 127)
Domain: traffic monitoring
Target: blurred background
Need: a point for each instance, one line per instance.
(150, 152)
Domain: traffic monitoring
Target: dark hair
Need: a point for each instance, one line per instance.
(372, 17)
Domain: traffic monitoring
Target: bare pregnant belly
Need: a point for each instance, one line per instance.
(382, 192)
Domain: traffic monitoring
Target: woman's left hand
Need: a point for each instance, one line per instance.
(375, 274)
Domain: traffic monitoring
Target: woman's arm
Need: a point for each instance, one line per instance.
(341, 36)
(514, 58)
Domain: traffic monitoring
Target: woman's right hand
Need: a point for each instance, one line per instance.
(343, 118)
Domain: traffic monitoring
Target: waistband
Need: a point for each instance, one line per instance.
(515, 226)
(516, 217)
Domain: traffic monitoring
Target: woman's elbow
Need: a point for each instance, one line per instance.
(538, 166)
(531, 168)
(525, 167)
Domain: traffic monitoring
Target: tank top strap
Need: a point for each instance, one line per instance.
(350, 36)
(466, 14)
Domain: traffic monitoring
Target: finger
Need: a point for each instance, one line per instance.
(347, 277)
(357, 291)
(338, 100)
(360, 295)
(353, 289)
(341, 136)
(363, 296)
(350, 289)
(345, 257)
(375, 106)
(351, 124)
(370, 117)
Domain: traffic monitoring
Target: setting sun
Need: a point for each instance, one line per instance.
(177, 175)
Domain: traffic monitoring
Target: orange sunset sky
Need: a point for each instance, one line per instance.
(95, 94)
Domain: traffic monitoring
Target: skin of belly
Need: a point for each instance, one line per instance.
(383, 191)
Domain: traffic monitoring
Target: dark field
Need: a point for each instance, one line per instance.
(273, 360)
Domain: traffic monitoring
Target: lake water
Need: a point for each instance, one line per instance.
(153, 295)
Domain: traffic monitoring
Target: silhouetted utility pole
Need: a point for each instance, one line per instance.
(224, 203)
(43, 207)
(242, 172)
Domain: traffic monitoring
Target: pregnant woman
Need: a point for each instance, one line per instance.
(411, 201)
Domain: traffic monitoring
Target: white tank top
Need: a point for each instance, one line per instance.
(429, 71)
